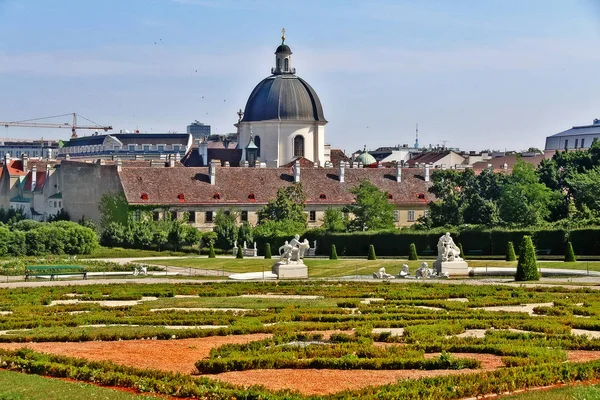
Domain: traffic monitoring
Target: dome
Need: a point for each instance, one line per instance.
(366, 159)
(283, 97)
(284, 48)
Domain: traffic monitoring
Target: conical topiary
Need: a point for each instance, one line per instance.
(268, 251)
(412, 252)
(211, 252)
(527, 266)
(372, 253)
(462, 253)
(333, 254)
(510, 252)
(240, 253)
(570, 254)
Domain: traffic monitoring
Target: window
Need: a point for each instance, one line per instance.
(192, 216)
(131, 147)
(50, 203)
(54, 204)
(161, 148)
(244, 215)
(174, 215)
(312, 216)
(181, 198)
(323, 196)
(146, 148)
(116, 147)
(396, 215)
(227, 212)
(257, 143)
(426, 213)
(582, 143)
(390, 197)
(286, 64)
(208, 216)
(576, 142)
(60, 204)
(566, 144)
(176, 148)
(251, 197)
(279, 63)
(155, 216)
(216, 196)
(411, 215)
(144, 196)
(299, 146)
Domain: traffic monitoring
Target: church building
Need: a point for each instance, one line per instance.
(283, 119)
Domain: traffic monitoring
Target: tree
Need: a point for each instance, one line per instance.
(287, 206)
(527, 265)
(371, 255)
(245, 233)
(62, 215)
(570, 254)
(462, 253)
(113, 207)
(412, 252)
(371, 208)
(510, 252)
(333, 254)
(211, 252)
(585, 190)
(240, 253)
(334, 220)
(226, 229)
(268, 251)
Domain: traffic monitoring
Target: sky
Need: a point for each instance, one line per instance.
(494, 74)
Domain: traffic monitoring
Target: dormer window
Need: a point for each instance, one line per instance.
(216, 196)
(390, 196)
(251, 197)
(323, 196)
(421, 196)
(144, 196)
(181, 197)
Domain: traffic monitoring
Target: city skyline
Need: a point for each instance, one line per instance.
(495, 75)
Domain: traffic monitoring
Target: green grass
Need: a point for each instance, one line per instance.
(579, 392)
(18, 386)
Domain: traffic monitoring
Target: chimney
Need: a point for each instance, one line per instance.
(505, 166)
(297, 172)
(341, 171)
(33, 177)
(379, 164)
(262, 164)
(7, 159)
(398, 172)
(177, 157)
(227, 164)
(245, 164)
(316, 165)
(212, 172)
(67, 157)
(171, 161)
(25, 161)
(426, 172)
(119, 165)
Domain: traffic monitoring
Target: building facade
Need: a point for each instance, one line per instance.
(30, 148)
(198, 130)
(576, 138)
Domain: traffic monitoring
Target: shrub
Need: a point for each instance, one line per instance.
(268, 251)
(569, 254)
(527, 266)
(462, 253)
(510, 252)
(333, 254)
(372, 253)
(211, 252)
(412, 252)
(240, 253)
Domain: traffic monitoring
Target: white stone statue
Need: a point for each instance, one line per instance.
(404, 272)
(285, 251)
(381, 274)
(447, 249)
(423, 272)
(303, 248)
(294, 250)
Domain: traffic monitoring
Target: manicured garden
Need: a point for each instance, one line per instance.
(458, 340)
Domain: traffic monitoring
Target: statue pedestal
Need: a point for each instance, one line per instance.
(453, 268)
(291, 270)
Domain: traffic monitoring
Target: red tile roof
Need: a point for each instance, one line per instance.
(304, 163)
(428, 157)
(235, 185)
(498, 162)
(337, 155)
(15, 167)
(40, 180)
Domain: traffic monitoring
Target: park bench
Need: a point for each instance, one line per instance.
(54, 270)
(427, 252)
(543, 251)
(475, 252)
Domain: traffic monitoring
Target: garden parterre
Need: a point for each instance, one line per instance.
(532, 346)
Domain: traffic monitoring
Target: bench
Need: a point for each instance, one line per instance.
(427, 252)
(475, 252)
(543, 251)
(54, 271)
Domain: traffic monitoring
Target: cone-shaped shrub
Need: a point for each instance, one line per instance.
(333, 254)
(412, 252)
(570, 254)
(239, 254)
(462, 253)
(510, 252)
(211, 252)
(268, 251)
(371, 253)
(527, 266)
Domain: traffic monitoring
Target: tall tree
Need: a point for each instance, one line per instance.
(287, 206)
(371, 208)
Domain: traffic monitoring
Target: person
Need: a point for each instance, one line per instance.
(447, 249)
(285, 251)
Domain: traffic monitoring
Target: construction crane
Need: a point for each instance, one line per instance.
(74, 126)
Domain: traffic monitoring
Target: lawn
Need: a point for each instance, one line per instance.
(18, 386)
(579, 392)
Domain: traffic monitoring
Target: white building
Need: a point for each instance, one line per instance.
(284, 117)
(578, 137)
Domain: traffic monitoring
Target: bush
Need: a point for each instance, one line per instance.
(527, 266)
(510, 252)
(569, 254)
(211, 252)
(333, 254)
(371, 255)
(412, 252)
(462, 253)
(240, 253)
(268, 251)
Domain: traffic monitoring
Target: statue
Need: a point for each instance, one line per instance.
(424, 272)
(381, 274)
(285, 251)
(294, 250)
(404, 272)
(447, 250)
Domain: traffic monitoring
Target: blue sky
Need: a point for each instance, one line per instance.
(479, 74)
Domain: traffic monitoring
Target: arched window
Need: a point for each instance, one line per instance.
(286, 64)
(278, 63)
(257, 143)
(299, 146)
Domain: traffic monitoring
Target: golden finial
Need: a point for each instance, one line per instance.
(283, 36)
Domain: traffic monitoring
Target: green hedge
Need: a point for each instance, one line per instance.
(489, 241)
